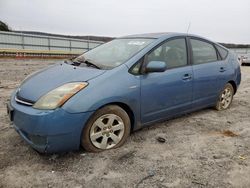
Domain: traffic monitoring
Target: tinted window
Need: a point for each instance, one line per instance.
(223, 52)
(203, 52)
(172, 52)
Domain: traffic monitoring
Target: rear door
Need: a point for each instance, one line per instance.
(167, 93)
(206, 73)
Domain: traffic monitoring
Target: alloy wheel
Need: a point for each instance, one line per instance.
(107, 131)
(226, 98)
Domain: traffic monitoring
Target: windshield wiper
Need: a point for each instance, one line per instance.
(88, 62)
(67, 61)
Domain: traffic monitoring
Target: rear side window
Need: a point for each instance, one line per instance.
(223, 52)
(203, 52)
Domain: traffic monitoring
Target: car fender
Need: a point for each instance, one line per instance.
(111, 87)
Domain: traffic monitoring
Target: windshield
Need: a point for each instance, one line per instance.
(115, 52)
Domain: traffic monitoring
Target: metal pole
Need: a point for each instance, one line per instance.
(22, 40)
(88, 43)
(49, 43)
(70, 46)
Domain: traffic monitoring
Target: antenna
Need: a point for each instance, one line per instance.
(189, 24)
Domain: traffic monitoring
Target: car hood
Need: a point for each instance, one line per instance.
(40, 83)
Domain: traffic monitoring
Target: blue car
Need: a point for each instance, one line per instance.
(97, 99)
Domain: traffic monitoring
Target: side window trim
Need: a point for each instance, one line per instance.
(189, 49)
(202, 40)
(216, 47)
(219, 58)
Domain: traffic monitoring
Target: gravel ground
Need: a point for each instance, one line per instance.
(202, 149)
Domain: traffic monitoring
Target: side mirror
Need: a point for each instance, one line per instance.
(156, 66)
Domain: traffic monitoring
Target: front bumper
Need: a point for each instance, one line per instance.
(48, 131)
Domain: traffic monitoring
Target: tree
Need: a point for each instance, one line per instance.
(4, 26)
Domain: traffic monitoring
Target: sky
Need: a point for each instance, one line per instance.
(222, 20)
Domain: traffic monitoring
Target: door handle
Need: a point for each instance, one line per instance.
(222, 69)
(187, 77)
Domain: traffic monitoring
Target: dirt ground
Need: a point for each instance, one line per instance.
(202, 149)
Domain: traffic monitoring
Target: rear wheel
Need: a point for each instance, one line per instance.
(226, 98)
(107, 128)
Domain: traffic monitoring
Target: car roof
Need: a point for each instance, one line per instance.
(161, 35)
(149, 35)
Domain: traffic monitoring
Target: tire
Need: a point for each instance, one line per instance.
(225, 98)
(107, 128)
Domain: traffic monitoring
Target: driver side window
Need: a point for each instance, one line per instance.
(173, 53)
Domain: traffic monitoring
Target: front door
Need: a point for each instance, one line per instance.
(168, 93)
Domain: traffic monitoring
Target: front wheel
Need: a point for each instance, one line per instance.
(107, 128)
(225, 98)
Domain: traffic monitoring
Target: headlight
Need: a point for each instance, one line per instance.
(59, 96)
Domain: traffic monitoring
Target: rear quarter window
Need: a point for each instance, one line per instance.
(223, 52)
